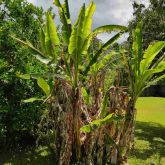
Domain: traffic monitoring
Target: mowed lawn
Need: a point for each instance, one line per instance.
(149, 146)
(151, 109)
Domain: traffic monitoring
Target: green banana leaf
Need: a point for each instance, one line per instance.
(137, 46)
(76, 39)
(150, 54)
(97, 123)
(86, 96)
(38, 54)
(65, 20)
(44, 86)
(102, 29)
(88, 19)
(42, 41)
(101, 50)
(51, 37)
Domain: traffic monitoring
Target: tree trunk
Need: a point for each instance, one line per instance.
(127, 136)
(104, 145)
(76, 125)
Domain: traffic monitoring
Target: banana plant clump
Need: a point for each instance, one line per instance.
(88, 122)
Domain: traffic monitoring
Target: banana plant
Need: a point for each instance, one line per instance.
(79, 40)
(143, 68)
(69, 53)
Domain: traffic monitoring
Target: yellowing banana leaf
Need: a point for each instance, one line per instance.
(31, 100)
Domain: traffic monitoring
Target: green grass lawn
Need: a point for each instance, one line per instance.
(151, 109)
(149, 142)
(150, 132)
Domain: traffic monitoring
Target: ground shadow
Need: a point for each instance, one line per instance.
(154, 135)
(29, 156)
(150, 141)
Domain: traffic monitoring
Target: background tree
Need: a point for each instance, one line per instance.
(153, 18)
(17, 119)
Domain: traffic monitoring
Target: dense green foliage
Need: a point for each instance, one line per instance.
(17, 119)
(153, 18)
